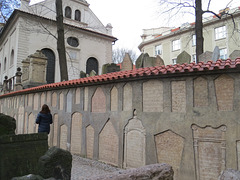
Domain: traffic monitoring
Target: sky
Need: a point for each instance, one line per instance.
(130, 17)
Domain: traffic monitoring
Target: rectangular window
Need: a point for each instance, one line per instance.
(174, 61)
(158, 49)
(223, 53)
(176, 45)
(73, 55)
(194, 40)
(220, 32)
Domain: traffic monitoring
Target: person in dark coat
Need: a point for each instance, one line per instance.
(44, 119)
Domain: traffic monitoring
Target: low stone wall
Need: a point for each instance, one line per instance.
(153, 171)
(19, 154)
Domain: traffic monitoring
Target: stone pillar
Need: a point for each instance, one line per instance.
(18, 84)
(34, 70)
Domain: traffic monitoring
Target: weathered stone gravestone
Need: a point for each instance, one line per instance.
(82, 74)
(127, 63)
(235, 54)
(149, 62)
(183, 57)
(205, 57)
(7, 125)
(140, 60)
(216, 54)
(159, 61)
(92, 73)
(108, 68)
(56, 163)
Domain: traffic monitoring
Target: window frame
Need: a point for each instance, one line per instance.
(75, 15)
(225, 55)
(220, 32)
(158, 51)
(176, 45)
(68, 12)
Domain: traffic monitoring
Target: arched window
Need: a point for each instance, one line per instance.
(77, 15)
(68, 12)
(92, 64)
(5, 64)
(12, 57)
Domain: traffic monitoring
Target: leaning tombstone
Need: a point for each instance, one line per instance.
(7, 125)
(127, 63)
(82, 74)
(159, 61)
(235, 54)
(140, 60)
(205, 57)
(113, 68)
(149, 61)
(104, 68)
(183, 57)
(216, 54)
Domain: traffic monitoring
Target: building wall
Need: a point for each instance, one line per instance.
(190, 122)
(231, 42)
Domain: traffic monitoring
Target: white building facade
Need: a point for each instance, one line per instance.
(33, 27)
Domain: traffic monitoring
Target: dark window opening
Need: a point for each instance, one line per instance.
(68, 12)
(77, 15)
(72, 41)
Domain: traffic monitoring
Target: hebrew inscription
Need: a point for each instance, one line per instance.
(99, 101)
(209, 151)
(169, 147)
(114, 99)
(63, 137)
(178, 96)
(135, 144)
(153, 97)
(200, 92)
(127, 97)
(90, 141)
(76, 133)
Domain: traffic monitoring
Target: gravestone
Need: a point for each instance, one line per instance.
(159, 61)
(92, 73)
(235, 54)
(7, 125)
(140, 60)
(82, 74)
(149, 62)
(108, 68)
(205, 57)
(230, 174)
(56, 163)
(216, 54)
(183, 57)
(127, 63)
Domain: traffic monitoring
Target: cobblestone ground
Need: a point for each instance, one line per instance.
(83, 168)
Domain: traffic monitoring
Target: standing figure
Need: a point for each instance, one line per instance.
(44, 119)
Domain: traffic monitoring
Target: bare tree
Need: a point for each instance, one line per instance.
(119, 53)
(61, 42)
(178, 6)
(6, 8)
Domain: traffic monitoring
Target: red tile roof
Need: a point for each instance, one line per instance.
(179, 69)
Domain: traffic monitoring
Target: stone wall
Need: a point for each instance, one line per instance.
(19, 154)
(190, 121)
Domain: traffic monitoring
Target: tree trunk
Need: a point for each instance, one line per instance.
(61, 42)
(199, 28)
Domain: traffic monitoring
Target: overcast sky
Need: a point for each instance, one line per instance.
(130, 17)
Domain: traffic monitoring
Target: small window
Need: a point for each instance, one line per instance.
(220, 32)
(176, 45)
(12, 58)
(77, 15)
(158, 49)
(73, 55)
(194, 40)
(72, 41)
(68, 12)
(223, 53)
(174, 61)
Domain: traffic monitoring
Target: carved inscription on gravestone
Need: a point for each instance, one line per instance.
(169, 147)
(54, 99)
(35, 101)
(31, 121)
(108, 144)
(63, 137)
(77, 96)
(200, 92)
(135, 144)
(20, 120)
(127, 97)
(61, 101)
(55, 129)
(90, 141)
(153, 97)
(114, 99)
(99, 101)
(209, 151)
(76, 133)
(178, 96)
(224, 91)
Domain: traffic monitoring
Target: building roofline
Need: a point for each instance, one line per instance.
(177, 70)
(181, 30)
(17, 11)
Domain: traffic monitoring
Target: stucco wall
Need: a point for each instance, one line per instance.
(190, 122)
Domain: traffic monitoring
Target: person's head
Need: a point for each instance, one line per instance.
(45, 109)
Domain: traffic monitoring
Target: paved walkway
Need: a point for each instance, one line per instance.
(83, 168)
